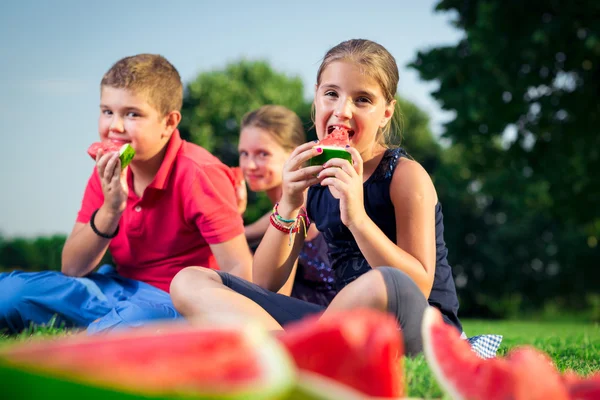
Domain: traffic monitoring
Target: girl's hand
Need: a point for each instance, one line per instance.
(114, 181)
(296, 177)
(345, 182)
(241, 197)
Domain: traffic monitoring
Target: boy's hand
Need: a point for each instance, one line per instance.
(114, 181)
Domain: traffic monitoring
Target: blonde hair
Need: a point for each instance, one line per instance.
(377, 63)
(282, 123)
(151, 75)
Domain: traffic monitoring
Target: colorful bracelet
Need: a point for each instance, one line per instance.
(294, 227)
(285, 229)
(279, 217)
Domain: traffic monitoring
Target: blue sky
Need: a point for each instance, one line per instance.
(53, 55)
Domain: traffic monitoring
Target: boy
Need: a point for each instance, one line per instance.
(174, 206)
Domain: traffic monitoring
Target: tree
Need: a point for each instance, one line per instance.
(215, 102)
(523, 83)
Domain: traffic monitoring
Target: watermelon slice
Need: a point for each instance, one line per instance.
(238, 176)
(525, 374)
(334, 146)
(581, 388)
(226, 362)
(126, 152)
(361, 349)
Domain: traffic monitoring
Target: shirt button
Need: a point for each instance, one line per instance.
(138, 208)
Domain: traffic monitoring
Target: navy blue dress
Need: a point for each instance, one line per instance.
(346, 259)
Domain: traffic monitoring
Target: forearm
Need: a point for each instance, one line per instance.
(275, 258)
(256, 230)
(242, 270)
(84, 249)
(379, 250)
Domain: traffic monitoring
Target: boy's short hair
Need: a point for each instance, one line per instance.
(151, 75)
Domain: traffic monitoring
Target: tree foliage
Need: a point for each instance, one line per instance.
(215, 102)
(523, 83)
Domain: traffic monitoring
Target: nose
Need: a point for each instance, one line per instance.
(116, 124)
(247, 162)
(343, 109)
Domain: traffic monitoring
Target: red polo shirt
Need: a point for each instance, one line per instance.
(189, 205)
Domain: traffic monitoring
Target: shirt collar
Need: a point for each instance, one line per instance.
(173, 146)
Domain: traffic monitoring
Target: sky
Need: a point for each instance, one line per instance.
(54, 53)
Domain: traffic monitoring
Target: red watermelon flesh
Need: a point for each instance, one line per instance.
(581, 388)
(526, 374)
(360, 348)
(337, 137)
(536, 376)
(238, 176)
(231, 362)
(106, 146)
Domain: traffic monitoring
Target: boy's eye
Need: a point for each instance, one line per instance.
(106, 112)
(243, 153)
(132, 114)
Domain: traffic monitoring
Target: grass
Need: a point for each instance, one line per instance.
(571, 345)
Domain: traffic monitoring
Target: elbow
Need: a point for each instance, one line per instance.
(265, 281)
(261, 281)
(68, 267)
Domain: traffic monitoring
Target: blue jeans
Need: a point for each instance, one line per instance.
(101, 301)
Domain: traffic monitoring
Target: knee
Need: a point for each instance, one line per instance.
(187, 285)
(370, 290)
(399, 285)
(13, 291)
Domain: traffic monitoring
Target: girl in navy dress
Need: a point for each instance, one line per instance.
(268, 136)
(379, 215)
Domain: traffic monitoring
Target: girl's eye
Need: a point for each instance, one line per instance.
(363, 100)
(243, 154)
(330, 93)
(106, 112)
(263, 154)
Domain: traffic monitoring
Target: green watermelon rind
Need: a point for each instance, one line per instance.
(23, 381)
(126, 154)
(313, 386)
(330, 152)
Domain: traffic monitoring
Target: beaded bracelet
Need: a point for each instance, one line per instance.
(279, 217)
(294, 227)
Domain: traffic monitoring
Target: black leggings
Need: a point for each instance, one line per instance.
(405, 301)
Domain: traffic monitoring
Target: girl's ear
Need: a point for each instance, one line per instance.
(172, 120)
(388, 113)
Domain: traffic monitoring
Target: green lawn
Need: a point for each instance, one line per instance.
(570, 345)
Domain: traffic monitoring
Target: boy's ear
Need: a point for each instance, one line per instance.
(388, 113)
(172, 120)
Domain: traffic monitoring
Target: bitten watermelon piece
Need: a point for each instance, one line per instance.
(227, 362)
(238, 176)
(126, 152)
(361, 349)
(526, 374)
(338, 137)
(334, 146)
